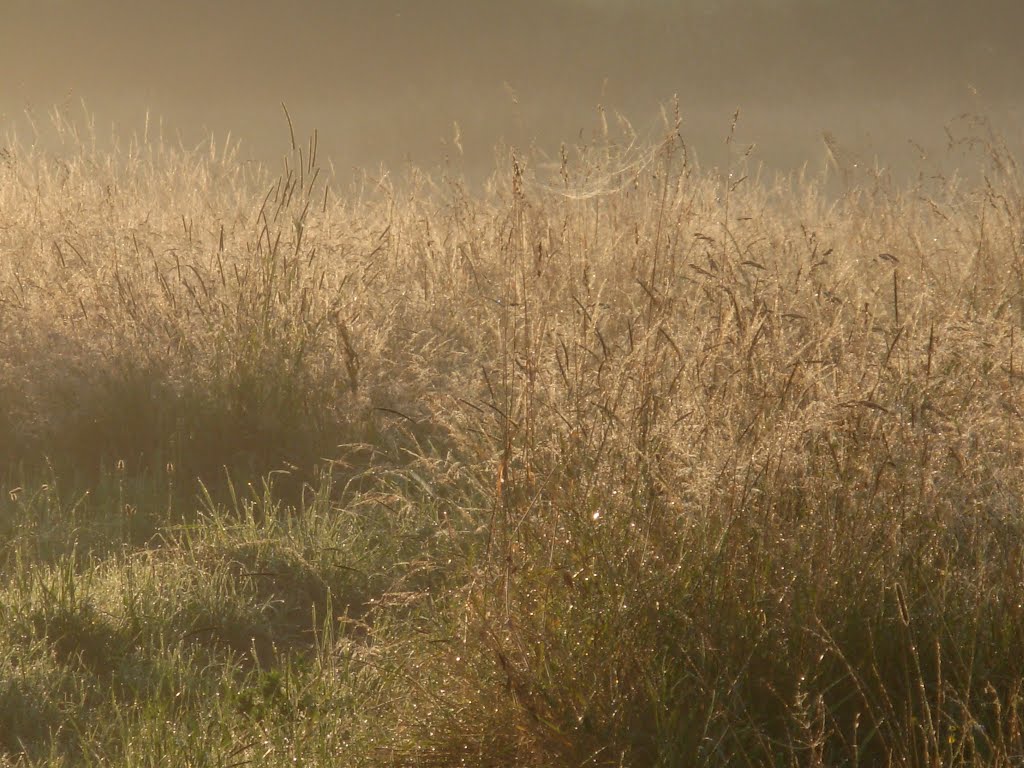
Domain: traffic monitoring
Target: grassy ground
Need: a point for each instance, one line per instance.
(625, 463)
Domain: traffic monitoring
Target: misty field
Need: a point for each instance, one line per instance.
(614, 462)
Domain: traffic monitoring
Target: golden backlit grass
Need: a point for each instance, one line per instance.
(615, 462)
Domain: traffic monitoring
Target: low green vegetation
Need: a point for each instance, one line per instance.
(616, 462)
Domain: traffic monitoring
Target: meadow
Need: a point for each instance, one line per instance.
(613, 461)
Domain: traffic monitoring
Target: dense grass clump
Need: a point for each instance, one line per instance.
(628, 463)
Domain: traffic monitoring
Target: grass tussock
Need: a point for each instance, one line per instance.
(617, 461)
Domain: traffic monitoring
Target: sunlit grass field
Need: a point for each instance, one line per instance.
(617, 461)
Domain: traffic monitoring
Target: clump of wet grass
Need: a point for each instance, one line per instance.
(632, 463)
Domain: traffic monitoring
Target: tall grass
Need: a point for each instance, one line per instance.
(616, 462)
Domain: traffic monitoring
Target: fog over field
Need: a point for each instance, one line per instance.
(646, 463)
(385, 81)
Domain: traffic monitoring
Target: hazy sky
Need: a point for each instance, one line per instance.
(383, 80)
